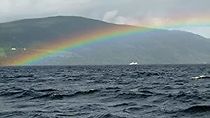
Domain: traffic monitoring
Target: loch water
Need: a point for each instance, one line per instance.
(138, 91)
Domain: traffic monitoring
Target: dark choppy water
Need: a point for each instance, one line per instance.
(105, 92)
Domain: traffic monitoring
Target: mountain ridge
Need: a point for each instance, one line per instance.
(60, 16)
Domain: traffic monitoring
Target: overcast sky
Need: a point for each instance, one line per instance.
(136, 12)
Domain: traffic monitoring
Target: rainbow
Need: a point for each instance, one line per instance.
(97, 35)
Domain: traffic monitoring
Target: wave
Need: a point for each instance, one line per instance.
(201, 77)
(13, 114)
(56, 95)
(197, 108)
(124, 104)
(108, 115)
(132, 95)
(17, 76)
(52, 94)
(88, 92)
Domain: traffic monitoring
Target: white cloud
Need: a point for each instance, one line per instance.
(110, 15)
(114, 17)
(126, 20)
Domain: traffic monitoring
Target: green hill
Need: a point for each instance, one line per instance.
(155, 47)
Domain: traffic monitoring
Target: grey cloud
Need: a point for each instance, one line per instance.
(17, 9)
(128, 11)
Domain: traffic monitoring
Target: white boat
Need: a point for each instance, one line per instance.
(133, 63)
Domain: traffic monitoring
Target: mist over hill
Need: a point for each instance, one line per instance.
(154, 47)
